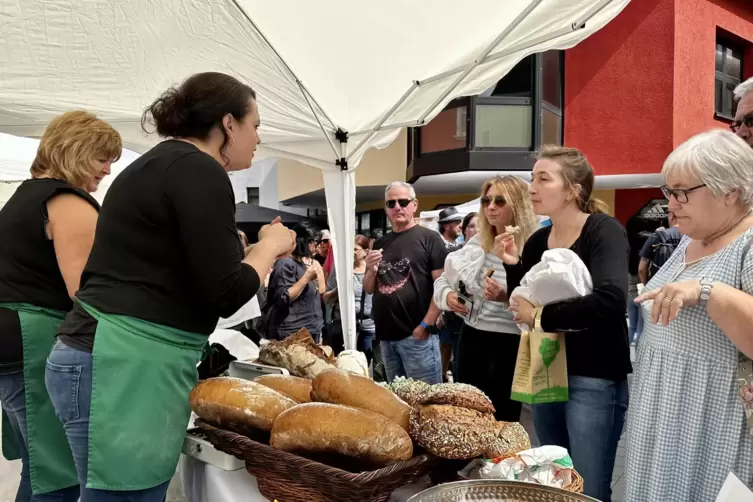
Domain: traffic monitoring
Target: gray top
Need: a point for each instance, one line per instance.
(686, 427)
(368, 323)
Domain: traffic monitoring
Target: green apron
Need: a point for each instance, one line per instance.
(142, 375)
(51, 464)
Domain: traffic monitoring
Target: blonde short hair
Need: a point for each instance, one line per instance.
(72, 145)
(515, 191)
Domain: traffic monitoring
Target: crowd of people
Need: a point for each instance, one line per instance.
(105, 311)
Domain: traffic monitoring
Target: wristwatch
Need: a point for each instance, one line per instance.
(706, 285)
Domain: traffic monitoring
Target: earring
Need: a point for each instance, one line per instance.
(230, 141)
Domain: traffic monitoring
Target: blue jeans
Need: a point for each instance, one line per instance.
(412, 358)
(14, 404)
(635, 321)
(589, 425)
(69, 382)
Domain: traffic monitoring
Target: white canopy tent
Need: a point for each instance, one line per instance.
(334, 77)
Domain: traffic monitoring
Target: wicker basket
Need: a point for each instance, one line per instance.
(575, 485)
(292, 478)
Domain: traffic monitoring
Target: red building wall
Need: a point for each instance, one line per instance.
(696, 25)
(618, 90)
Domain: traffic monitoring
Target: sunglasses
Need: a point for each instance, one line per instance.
(402, 202)
(499, 200)
(324, 241)
(747, 121)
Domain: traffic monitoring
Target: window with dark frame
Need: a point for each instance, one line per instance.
(252, 195)
(728, 75)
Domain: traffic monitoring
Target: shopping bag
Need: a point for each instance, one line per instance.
(541, 368)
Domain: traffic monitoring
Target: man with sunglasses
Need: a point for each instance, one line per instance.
(743, 124)
(400, 272)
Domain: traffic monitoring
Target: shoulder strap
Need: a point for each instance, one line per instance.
(363, 299)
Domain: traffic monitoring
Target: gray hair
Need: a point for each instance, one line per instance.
(400, 184)
(743, 89)
(717, 158)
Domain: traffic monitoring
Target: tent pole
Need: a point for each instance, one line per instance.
(384, 118)
(282, 60)
(316, 117)
(578, 24)
(451, 87)
(469, 68)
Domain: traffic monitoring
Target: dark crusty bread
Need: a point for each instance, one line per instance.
(341, 387)
(317, 428)
(296, 388)
(458, 394)
(452, 432)
(229, 401)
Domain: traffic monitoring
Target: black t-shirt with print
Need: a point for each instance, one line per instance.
(404, 282)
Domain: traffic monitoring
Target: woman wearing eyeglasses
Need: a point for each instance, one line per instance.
(697, 313)
(598, 355)
(489, 338)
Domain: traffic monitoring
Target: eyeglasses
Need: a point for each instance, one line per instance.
(746, 121)
(499, 200)
(324, 241)
(680, 194)
(402, 202)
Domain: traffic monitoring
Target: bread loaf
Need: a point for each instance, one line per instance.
(340, 387)
(229, 402)
(409, 390)
(334, 429)
(296, 388)
(452, 432)
(512, 438)
(457, 394)
(298, 354)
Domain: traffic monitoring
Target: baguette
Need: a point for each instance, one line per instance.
(322, 428)
(340, 387)
(229, 402)
(296, 388)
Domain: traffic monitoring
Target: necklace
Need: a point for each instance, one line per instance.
(724, 231)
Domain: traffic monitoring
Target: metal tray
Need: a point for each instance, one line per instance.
(196, 446)
(490, 490)
(248, 370)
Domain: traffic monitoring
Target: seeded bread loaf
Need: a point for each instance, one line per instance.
(229, 402)
(457, 394)
(296, 388)
(323, 428)
(452, 432)
(341, 387)
(511, 438)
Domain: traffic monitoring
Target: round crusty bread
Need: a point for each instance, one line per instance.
(452, 432)
(458, 394)
(341, 387)
(512, 438)
(296, 388)
(227, 401)
(343, 430)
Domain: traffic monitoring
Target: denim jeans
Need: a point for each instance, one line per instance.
(69, 382)
(14, 404)
(589, 425)
(635, 321)
(412, 358)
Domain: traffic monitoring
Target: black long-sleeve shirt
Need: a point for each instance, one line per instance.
(166, 248)
(596, 340)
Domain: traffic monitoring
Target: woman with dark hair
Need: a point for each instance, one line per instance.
(295, 289)
(47, 230)
(589, 425)
(469, 226)
(364, 323)
(166, 264)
